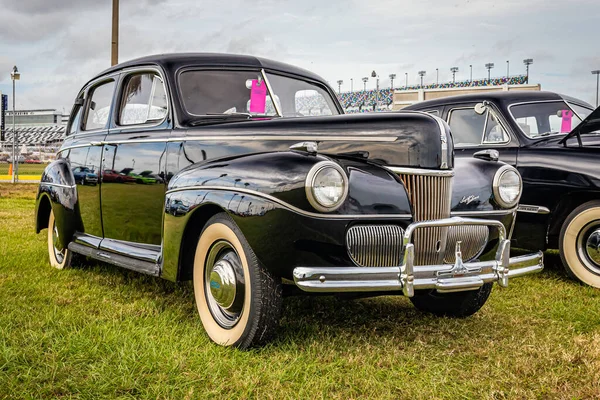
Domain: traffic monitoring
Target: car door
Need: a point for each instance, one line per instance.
(132, 207)
(88, 127)
(474, 131)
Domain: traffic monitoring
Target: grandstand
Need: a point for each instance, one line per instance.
(382, 100)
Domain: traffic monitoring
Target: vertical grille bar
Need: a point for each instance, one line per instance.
(430, 196)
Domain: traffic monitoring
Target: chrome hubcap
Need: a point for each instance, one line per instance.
(224, 284)
(592, 247)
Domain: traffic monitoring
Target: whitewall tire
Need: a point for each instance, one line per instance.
(59, 257)
(238, 300)
(579, 243)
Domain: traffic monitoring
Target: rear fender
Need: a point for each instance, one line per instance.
(58, 192)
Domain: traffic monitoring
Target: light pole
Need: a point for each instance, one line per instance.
(15, 76)
(365, 80)
(489, 67)
(405, 80)
(507, 69)
(392, 77)
(421, 74)
(437, 76)
(352, 84)
(340, 86)
(454, 70)
(527, 62)
(374, 75)
(597, 73)
(471, 75)
(114, 54)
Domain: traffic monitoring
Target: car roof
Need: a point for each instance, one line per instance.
(172, 61)
(503, 98)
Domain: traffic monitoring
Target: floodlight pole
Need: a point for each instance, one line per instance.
(340, 86)
(405, 80)
(114, 57)
(365, 79)
(421, 74)
(352, 84)
(489, 67)
(437, 76)
(15, 76)
(597, 73)
(471, 75)
(507, 69)
(527, 62)
(392, 77)
(454, 70)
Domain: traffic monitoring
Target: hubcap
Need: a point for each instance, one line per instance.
(592, 247)
(224, 284)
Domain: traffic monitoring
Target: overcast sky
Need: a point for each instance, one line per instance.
(58, 45)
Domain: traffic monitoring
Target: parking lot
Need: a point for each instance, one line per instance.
(98, 331)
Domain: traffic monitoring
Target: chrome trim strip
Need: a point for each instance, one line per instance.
(485, 212)
(526, 208)
(420, 171)
(291, 207)
(444, 141)
(247, 138)
(58, 185)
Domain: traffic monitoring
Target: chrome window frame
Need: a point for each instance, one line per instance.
(115, 117)
(482, 143)
(92, 86)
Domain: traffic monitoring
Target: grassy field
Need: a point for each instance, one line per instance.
(26, 171)
(102, 332)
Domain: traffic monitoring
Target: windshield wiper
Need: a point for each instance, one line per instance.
(219, 117)
(547, 134)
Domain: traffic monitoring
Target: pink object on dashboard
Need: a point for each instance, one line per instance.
(258, 97)
(567, 117)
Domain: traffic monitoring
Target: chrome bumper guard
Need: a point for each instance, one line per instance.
(408, 277)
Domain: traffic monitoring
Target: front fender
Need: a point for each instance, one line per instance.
(58, 192)
(372, 188)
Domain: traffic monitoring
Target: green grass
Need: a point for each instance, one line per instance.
(102, 332)
(24, 169)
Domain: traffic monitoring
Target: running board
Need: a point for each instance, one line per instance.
(133, 264)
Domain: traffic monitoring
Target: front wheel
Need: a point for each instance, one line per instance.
(457, 304)
(238, 300)
(60, 257)
(579, 243)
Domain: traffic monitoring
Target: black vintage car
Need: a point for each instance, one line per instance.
(558, 156)
(269, 189)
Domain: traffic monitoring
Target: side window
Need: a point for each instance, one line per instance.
(467, 126)
(310, 102)
(144, 100)
(528, 125)
(98, 109)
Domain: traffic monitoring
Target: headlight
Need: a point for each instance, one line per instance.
(326, 186)
(507, 186)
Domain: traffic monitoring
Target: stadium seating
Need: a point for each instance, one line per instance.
(36, 135)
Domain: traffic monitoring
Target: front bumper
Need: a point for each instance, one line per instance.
(408, 277)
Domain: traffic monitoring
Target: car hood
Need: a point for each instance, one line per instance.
(588, 125)
(409, 139)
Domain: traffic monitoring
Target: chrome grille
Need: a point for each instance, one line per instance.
(473, 239)
(430, 195)
(375, 245)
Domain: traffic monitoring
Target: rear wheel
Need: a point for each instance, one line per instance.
(238, 300)
(457, 304)
(579, 243)
(60, 257)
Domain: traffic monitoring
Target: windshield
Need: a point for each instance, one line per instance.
(223, 94)
(547, 118)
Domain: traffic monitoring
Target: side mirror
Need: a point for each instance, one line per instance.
(487, 155)
(480, 108)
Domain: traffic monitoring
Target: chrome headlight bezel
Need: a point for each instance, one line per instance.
(309, 185)
(502, 171)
